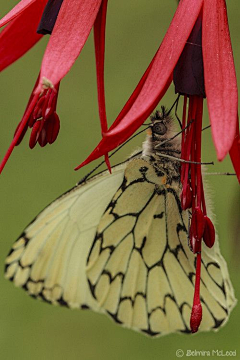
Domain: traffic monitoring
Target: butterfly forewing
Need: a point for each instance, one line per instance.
(49, 258)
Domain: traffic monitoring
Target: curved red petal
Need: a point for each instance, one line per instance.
(209, 233)
(155, 81)
(53, 127)
(74, 23)
(163, 64)
(235, 153)
(133, 96)
(220, 76)
(109, 143)
(19, 130)
(34, 134)
(20, 35)
(17, 10)
(99, 41)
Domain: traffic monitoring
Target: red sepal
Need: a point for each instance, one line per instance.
(220, 76)
(20, 35)
(235, 153)
(154, 83)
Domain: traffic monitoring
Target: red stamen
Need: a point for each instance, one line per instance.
(183, 135)
(198, 133)
(200, 222)
(186, 200)
(193, 196)
(195, 243)
(196, 315)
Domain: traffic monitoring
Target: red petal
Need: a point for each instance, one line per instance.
(163, 65)
(99, 40)
(53, 127)
(159, 76)
(42, 138)
(28, 122)
(133, 97)
(34, 134)
(220, 76)
(186, 197)
(20, 35)
(20, 130)
(17, 10)
(74, 23)
(37, 112)
(22, 134)
(235, 153)
(209, 232)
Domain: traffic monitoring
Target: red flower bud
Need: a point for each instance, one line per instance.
(209, 232)
(186, 198)
(53, 127)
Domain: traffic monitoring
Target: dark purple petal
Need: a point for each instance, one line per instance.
(188, 75)
(49, 17)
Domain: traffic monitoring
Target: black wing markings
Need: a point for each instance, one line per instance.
(180, 227)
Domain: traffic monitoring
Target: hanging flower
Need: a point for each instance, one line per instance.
(195, 53)
(219, 75)
(69, 22)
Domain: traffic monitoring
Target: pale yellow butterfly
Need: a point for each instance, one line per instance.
(118, 244)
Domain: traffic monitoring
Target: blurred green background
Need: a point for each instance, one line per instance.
(30, 329)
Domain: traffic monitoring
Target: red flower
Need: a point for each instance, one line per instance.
(197, 53)
(219, 74)
(73, 25)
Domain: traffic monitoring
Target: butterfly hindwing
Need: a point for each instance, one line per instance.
(49, 258)
(140, 268)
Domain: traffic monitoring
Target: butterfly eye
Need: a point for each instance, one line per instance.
(159, 128)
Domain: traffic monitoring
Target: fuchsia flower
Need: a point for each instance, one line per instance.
(69, 34)
(219, 75)
(196, 53)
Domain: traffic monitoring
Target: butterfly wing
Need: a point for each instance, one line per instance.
(49, 258)
(140, 269)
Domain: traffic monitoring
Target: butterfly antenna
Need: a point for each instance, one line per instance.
(218, 173)
(169, 111)
(182, 160)
(179, 133)
(206, 127)
(175, 103)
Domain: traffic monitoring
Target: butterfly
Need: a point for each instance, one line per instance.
(118, 244)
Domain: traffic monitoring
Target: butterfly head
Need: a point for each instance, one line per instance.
(162, 125)
(162, 141)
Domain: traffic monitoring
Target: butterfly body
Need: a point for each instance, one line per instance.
(118, 244)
